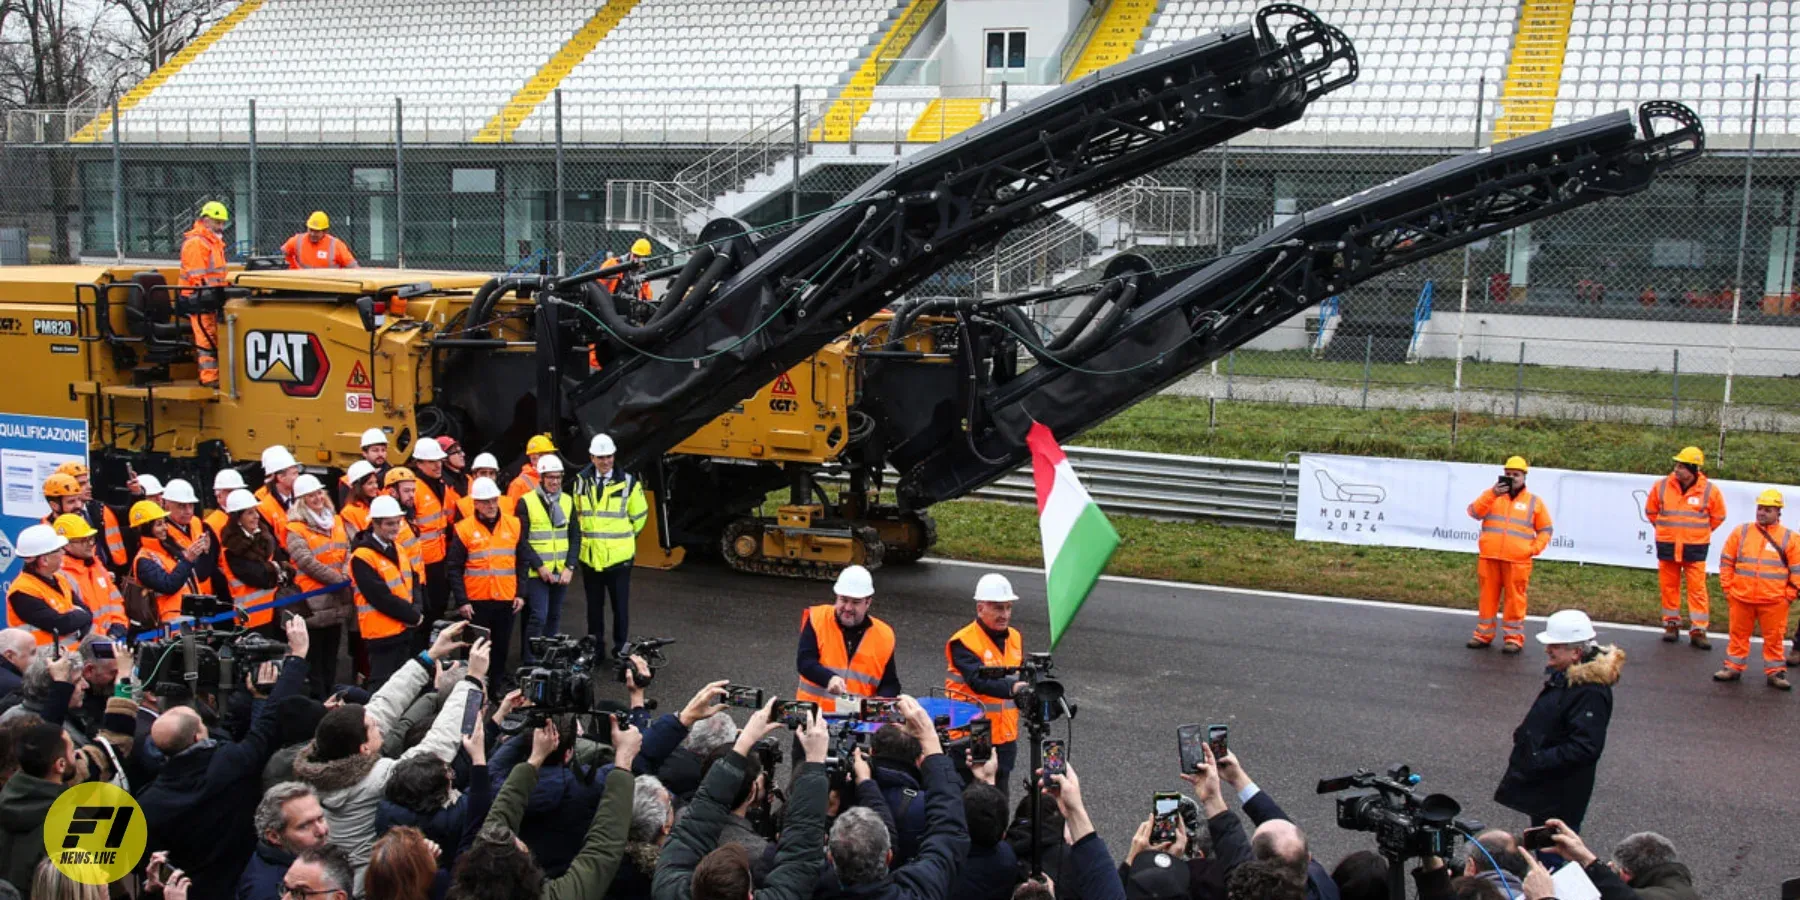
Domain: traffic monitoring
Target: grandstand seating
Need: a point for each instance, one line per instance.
(1707, 54)
(1422, 62)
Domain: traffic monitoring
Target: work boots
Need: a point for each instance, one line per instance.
(1793, 654)
(1728, 675)
(1512, 647)
(1699, 639)
(1478, 644)
(1671, 633)
(1779, 682)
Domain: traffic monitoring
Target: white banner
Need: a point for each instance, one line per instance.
(1598, 516)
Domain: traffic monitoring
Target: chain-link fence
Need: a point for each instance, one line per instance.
(1676, 307)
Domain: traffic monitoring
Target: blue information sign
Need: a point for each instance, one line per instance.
(31, 447)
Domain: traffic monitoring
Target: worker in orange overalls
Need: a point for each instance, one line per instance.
(640, 249)
(1760, 573)
(203, 265)
(1515, 528)
(526, 481)
(1685, 508)
(315, 249)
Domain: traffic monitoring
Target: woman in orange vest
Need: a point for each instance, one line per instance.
(166, 575)
(483, 567)
(248, 563)
(434, 505)
(93, 584)
(362, 486)
(1686, 509)
(386, 582)
(1760, 572)
(844, 651)
(1515, 528)
(226, 481)
(318, 544)
(43, 601)
(990, 641)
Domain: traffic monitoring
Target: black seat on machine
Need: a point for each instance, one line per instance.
(150, 312)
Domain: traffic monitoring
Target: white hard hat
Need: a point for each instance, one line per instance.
(549, 464)
(238, 501)
(1571, 626)
(39, 540)
(484, 461)
(306, 484)
(153, 486)
(228, 480)
(854, 581)
(277, 458)
(374, 436)
(484, 489)
(994, 588)
(428, 451)
(602, 445)
(179, 491)
(385, 507)
(359, 470)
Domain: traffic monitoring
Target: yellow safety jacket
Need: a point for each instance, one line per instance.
(611, 518)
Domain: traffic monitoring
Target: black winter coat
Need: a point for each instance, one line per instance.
(1556, 750)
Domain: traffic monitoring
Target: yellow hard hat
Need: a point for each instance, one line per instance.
(539, 443)
(1770, 497)
(215, 210)
(72, 469)
(318, 221)
(73, 527)
(61, 485)
(1517, 462)
(396, 475)
(144, 512)
(641, 247)
(1693, 456)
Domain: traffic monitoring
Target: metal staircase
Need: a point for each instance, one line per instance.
(1082, 236)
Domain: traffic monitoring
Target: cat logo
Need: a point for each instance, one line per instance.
(294, 359)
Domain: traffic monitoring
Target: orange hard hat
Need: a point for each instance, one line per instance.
(396, 475)
(61, 485)
(72, 469)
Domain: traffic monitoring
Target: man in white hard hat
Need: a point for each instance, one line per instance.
(990, 642)
(610, 505)
(226, 481)
(433, 506)
(1556, 750)
(43, 600)
(552, 544)
(185, 528)
(484, 466)
(844, 651)
(277, 493)
(148, 487)
(487, 572)
(387, 590)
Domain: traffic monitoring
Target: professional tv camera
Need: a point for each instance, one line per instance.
(205, 659)
(1046, 702)
(647, 649)
(562, 681)
(1406, 824)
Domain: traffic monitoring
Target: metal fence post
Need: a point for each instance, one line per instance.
(1480, 100)
(250, 220)
(1519, 382)
(1003, 87)
(794, 191)
(1368, 361)
(1675, 389)
(1219, 211)
(561, 244)
(399, 183)
(1737, 292)
(1230, 370)
(118, 187)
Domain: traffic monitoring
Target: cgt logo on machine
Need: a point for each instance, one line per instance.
(294, 359)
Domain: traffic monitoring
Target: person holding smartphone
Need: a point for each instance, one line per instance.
(990, 642)
(1515, 528)
(485, 570)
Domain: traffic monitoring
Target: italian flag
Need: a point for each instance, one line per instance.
(1078, 541)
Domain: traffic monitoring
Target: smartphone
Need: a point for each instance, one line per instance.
(103, 650)
(1056, 760)
(1165, 817)
(885, 710)
(1188, 739)
(161, 871)
(1537, 838)
(473, 633)
(981, 740)
(1215, 738)
(794, 713)
(743, 697)
(472, 711)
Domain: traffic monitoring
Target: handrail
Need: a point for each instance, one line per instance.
(1078, 39)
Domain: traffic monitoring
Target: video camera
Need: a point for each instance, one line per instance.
(209, 657)
(647, 649)
(1406, 824)
(562, 681)
(1046, 702)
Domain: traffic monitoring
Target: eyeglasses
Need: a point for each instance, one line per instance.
(288, 890)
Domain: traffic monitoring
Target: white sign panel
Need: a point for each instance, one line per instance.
(1598, 516)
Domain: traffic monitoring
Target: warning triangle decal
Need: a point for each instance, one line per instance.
(784, 386)
(359, 378)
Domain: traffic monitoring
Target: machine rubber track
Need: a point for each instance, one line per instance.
(873, 554)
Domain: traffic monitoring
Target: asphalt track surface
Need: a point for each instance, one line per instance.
(1310, 688)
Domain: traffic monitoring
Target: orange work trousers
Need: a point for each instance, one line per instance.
(1746, 617)
(1669, 576)
(206, 346)
(1499, 577)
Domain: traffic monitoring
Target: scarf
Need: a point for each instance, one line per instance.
(552, 502)
(321, 522)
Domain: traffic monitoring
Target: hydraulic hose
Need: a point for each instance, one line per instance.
(1074, 342)
(679, 305)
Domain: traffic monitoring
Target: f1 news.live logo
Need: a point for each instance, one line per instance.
(88, 820)
(95, 833)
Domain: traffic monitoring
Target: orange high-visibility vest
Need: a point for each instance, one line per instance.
(1685, 519)
(244, 596)
(493, 558)
(216, 520)
(274, 515)
(185, 539)
(1514, 528)
(374, 624)
(408, 541)
(112, 536)
(304, 253)
(431, 515)
(356, 513)
(61, 598)
(168, 606)
(98, 592)
(202, 258)
(1754, 571)
(861, 675)
(999, 710)
(332, 549)
(524, 483)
